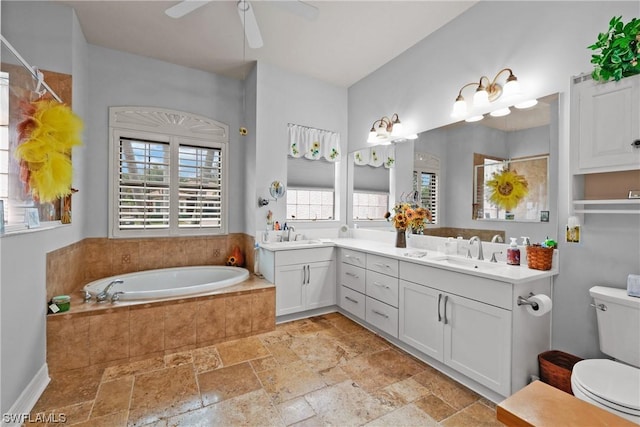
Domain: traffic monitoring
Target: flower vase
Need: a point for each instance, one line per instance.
(401, 238)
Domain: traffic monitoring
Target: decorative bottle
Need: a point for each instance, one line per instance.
(513, 253)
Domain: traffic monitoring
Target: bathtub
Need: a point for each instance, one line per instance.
(170, 282)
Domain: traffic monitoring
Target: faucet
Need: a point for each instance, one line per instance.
(477, 239)
(289, 230)
(497, 239)
(102, 296)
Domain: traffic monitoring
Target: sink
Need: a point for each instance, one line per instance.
(292, 244)
(470, 263)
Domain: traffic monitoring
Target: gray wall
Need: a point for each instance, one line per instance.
(544, 43)
(118, 79)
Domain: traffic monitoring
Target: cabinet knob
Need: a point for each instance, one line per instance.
(636, 143)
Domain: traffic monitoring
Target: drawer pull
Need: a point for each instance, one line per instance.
(348, 273)
(380, 314)
(439, 316)
(381, 285)
(351, 299)
(351, 256)
(379, 264)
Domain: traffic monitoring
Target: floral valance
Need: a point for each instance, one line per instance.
(313, 144)
(376, 156)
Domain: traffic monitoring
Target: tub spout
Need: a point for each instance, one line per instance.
(102, 296)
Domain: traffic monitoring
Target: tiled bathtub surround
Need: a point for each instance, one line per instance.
(71, 267)
(101, 334)
(325, 370)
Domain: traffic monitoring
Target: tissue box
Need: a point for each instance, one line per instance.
(633, 285)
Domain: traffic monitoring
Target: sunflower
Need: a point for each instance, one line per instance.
(507, 189)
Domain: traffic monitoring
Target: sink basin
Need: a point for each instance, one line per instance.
(470, 263)
(292, 244)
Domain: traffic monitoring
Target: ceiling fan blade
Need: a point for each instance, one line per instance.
(251, 29)
(185, 7)
(300, 8)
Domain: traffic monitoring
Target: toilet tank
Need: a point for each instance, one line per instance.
(619, 324)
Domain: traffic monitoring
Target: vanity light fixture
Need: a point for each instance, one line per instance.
(385, 130)
(488, 91)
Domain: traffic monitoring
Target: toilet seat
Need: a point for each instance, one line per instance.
(614, 385)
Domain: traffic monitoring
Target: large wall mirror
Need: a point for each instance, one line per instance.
(452, 166)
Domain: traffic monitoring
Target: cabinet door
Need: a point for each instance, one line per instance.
(320, 288)
(289, 289)
(609, 122)
(477, 342)
(419, 325)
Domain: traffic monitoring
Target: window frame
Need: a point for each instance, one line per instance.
(177, 129)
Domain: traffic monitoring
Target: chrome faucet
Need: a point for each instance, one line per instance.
(290, 228)
(477, 239)
(497, 239)
(102, 296)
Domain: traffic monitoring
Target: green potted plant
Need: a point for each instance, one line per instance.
(619, 48)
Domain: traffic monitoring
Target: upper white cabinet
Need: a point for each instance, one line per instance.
(606, 131)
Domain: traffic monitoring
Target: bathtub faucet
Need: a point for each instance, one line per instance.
(102, 296)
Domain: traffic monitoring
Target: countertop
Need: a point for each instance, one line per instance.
(496, 271)
(542, 405)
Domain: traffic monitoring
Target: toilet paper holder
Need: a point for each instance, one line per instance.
(525, 301)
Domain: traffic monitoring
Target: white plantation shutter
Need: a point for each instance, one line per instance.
(143, 201)
(168, 173)
(200, 188)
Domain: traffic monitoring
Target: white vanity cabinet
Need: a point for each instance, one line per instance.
(368, 289)
(608, 123)
(305, 279)
(471, 333)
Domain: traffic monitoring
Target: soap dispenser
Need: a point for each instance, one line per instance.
(513, 253)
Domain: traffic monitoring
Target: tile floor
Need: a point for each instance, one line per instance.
(321, 371)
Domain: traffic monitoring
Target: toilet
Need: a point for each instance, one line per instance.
(613, 385)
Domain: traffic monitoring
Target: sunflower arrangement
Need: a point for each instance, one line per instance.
(408, 216)
(507, 189)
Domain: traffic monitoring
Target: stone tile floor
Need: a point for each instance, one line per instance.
(326, 370)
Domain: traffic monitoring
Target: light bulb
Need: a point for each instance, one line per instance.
(474, 119)
(511, 88)
(501, 112)
(459, 108)
(480, 98)
(372, 137)
(526, 104)
(396, 130)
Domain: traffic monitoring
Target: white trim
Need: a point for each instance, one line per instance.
(30, 395)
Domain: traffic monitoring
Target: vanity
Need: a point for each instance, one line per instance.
(460, 315)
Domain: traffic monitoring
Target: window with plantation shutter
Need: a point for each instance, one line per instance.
(426, 176)
(143, 195)
(168, 173)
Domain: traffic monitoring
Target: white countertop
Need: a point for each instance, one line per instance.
(495, 271)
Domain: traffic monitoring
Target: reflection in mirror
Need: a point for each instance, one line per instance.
(528, 133)
(370, 200)
(510, 189)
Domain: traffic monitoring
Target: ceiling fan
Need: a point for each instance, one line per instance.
(247, 17)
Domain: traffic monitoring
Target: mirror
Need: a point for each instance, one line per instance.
(442, 161)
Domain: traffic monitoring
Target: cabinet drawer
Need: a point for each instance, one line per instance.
(382, 316)
(353, 277)
(476, 288)
(352, 301)
(382, 287)
(353, 257)
(382, 265)
(301, 256)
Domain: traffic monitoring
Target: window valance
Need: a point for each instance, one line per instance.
(313, 144)
(376, 156)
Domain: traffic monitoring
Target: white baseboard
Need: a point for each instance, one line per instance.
(28, 398)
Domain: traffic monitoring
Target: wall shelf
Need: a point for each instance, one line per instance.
(616, 206)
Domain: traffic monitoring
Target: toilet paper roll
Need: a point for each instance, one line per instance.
(543, 302)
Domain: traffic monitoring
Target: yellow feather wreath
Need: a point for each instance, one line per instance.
(507, 189)
(49, 132)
